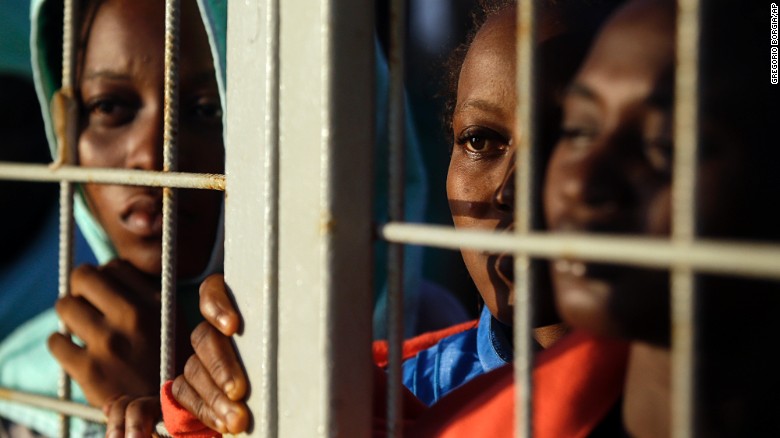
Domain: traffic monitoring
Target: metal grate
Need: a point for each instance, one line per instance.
(296, 212)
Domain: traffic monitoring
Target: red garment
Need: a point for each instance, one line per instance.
(576, 383)
(419, 343)
(178, 421)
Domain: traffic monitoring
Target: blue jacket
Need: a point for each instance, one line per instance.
(458, 358)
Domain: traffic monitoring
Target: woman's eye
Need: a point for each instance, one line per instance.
(482, 141)
(578, 137)
(207, 109)
(109, 111)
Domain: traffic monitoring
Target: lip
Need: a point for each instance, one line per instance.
(142, 215)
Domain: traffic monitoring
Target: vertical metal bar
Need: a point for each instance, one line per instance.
(170, 139)
(686, 127)
(395, 270)
(326, 115)
(251, 216)
(523, 303)
(67, 153)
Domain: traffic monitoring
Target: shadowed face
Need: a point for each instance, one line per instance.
(611, 172)
(121, 95)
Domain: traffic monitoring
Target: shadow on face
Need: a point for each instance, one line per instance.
(481, 177)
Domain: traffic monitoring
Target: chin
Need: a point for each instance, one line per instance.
(586, 310)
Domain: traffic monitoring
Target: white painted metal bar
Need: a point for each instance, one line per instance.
(68, 141)
(170, 141)
(523, 212)
(251, 217)
(683, 290)
(706, 256)
(64, 407)
(47, 173)
(395, 259)
(325, 164)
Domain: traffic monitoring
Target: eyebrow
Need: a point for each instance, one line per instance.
(580, 90)
(105, 74)
(480, 104)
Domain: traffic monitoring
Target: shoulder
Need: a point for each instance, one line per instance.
(412, 347)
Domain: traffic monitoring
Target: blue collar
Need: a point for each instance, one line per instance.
(494, 346)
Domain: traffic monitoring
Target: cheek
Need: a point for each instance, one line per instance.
(552, 187)
(103, 203)
(202, 154)
(659, 212)
(470, 192)
(96, 150)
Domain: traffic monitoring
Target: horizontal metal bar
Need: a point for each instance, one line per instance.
(59, 406)
(46, 173)
(719, 257)
(69, 408)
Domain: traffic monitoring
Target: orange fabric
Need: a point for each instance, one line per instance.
(419, 343)
(576, 383)
(412, 407)
(178, 421)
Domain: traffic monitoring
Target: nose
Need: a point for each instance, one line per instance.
(504, 197)
(595, 187)
(145, 143)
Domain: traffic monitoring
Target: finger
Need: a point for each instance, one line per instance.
(81, 317)
(74, 360)
(142, 285)
(141, 416)
(189, 399)
(219, 359)
(99, 289)
(115, 424)
(228, 415)
(216, 306)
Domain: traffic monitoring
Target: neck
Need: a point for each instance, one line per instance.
(646, 405)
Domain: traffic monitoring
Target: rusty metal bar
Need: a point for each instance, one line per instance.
(76, 174)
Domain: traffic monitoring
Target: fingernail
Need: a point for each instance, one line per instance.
(133, 433)
(232, 417)
(228, 388)
(220, 425)
(114, 433)
(223, 321)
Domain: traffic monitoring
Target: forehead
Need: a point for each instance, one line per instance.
(488, 71)
(633, 53)
(125, 29)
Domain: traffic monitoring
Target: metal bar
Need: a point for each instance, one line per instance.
(76, 174)
(67, 154)
(170, 140)
(251, 216)
(523, 211)
(716, 257)
(395, 259)
(69, 408)
(64, 407)
(326, 115)
(683, 291)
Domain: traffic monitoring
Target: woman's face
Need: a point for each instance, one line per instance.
(121, 96)
(611, 172)
(481, 176)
